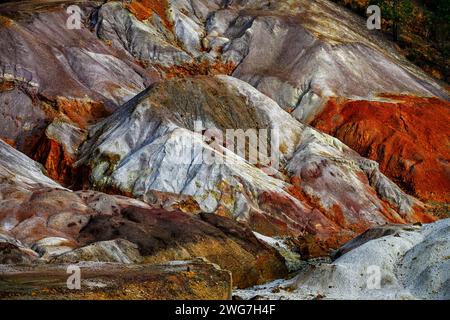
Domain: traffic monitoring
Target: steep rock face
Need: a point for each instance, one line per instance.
(397, 263)
(152, 144)
(21, 122)
(151, 140)
(297, 52)
(372, 234)
(61, 226)
(304, 53)
(300, 53)
(48, 70)
(20, 171)
(13, 251)
(178, 280)
(42, 51)
(166, 35)
(319, 169)
(150, 42)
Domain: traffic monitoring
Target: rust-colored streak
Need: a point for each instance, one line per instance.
(5, 21)
(6, 86)
(57, 163)
(143, 9)
(81, 112)
(408, 136)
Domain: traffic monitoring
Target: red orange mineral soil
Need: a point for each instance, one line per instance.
(322, 233)
(408, 136)
(80, 111)
(194, 69)
(352, 220)
(57, 163)
(143, 9)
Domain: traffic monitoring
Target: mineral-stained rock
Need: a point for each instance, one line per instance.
(312, 50)
(52, 246)
(300, 52)
(54, 221)
(119, 251)
(131, 104)
(150, 42)
(16, 169)
(404, 263)
(152, 143)
(33, 207)
(65, 62)
(286, 248)
(22, 122)
(58, 150)
(48, 70)
(13, 251)
(372, 234)
(304, 53)
(408, 136)
(12, 254)
(39, 213)
(163, 236)
(319, 169)
(177, 280)
(160, 155)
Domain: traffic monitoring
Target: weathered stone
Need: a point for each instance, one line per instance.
(119, 251)
(397, 263)
(52, 246)
(85, 103)
(65, 226)
(326, 189)
(182, 280)
(163, 236)
(48, 70)
(398, 133)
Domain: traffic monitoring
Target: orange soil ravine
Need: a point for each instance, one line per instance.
(336, 215)
(57, 163)
(409, 137)
(143, 9)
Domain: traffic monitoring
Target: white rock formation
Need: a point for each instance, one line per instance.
(412, 263)
(152, 144)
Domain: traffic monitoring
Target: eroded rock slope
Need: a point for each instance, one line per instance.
(42, 222)
(128, 117)
(390, 262)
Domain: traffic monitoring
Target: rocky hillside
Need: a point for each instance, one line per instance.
(420, 28)
(114, 145)
(413, 264)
